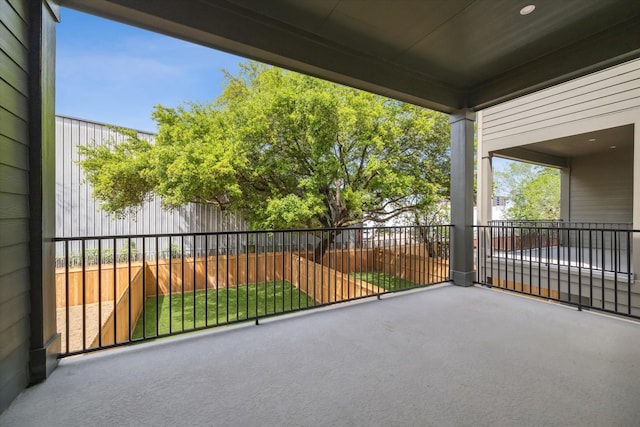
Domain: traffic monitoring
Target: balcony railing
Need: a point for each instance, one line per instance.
(589, 265)
(116, 290)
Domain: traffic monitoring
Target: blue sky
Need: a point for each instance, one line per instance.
(114, 73)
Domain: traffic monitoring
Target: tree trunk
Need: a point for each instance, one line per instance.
(325, 241)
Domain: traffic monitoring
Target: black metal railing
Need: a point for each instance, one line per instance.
(116, 290)
(558, 223)
(586, 265)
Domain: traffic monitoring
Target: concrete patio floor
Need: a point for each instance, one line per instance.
(442, 356)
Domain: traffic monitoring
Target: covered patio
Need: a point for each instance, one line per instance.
(447, 355)
(442, 356)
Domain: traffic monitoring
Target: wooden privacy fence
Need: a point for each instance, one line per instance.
(412, 263)
(326, 285)
(121, 322)
(179, 275)
(85, 302)
(102, 304)
(94, 283)
(176, 275)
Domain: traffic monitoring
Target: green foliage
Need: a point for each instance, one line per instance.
(120, 173)
(286, 150)
(534, 191)
(91, 256)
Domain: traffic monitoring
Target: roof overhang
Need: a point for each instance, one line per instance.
(441, 54)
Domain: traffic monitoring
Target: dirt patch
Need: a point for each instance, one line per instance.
(79, 318)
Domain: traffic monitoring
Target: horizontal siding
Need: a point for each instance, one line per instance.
(13, 48)
(13, 74)
(13, 153)
(14, 200)
(13, 258)
(15, 366)
(17, 283)
(607, 92)
(602, 187)
(14, 231)
(20, 8)
(13, 180)
(13, 101)
(13, 13)
(14, 359)
(13, 206)
(13, 310)
(79, 214)
(13, 337)
(12, 126)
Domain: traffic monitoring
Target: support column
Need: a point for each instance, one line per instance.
(565, 194)
(485, 180)
(462, 169)
(45, 340)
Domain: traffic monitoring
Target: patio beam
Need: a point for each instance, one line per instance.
(462, 132)
(523, 154)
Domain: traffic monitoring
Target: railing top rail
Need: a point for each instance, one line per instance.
(629, 229)
(250, 232)
(556, 221)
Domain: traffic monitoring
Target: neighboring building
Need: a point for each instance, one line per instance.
(499, 201)
(78, 214)
(588, 128)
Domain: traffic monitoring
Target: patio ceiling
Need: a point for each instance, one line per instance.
(441, 54)
(556, 152)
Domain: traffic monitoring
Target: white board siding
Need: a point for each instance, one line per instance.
(602, 187)
(78, 214)
(565, 109)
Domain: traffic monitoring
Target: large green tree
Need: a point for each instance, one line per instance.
(285, 149)
(533, 191)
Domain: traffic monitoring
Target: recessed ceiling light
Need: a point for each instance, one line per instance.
(613, 147)
(527, 9)
(592, 140)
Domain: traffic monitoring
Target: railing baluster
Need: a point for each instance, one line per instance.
(84, 296)
(246, 274)
(157, 244)
(170, 286)
(255, 237)
(217, 278)
(206, 281)
(115, 292)
(66, 286)
(282, 252)
(228, 288)
(130, 332)
(615, 268)
(144, 288)
(237, 258)
(579, 232)
(629, 273)
(591, 267)
(193, 258)
(99, 292)
(182, 280)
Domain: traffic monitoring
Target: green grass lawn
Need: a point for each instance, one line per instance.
(386, 281)
(220, 307)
